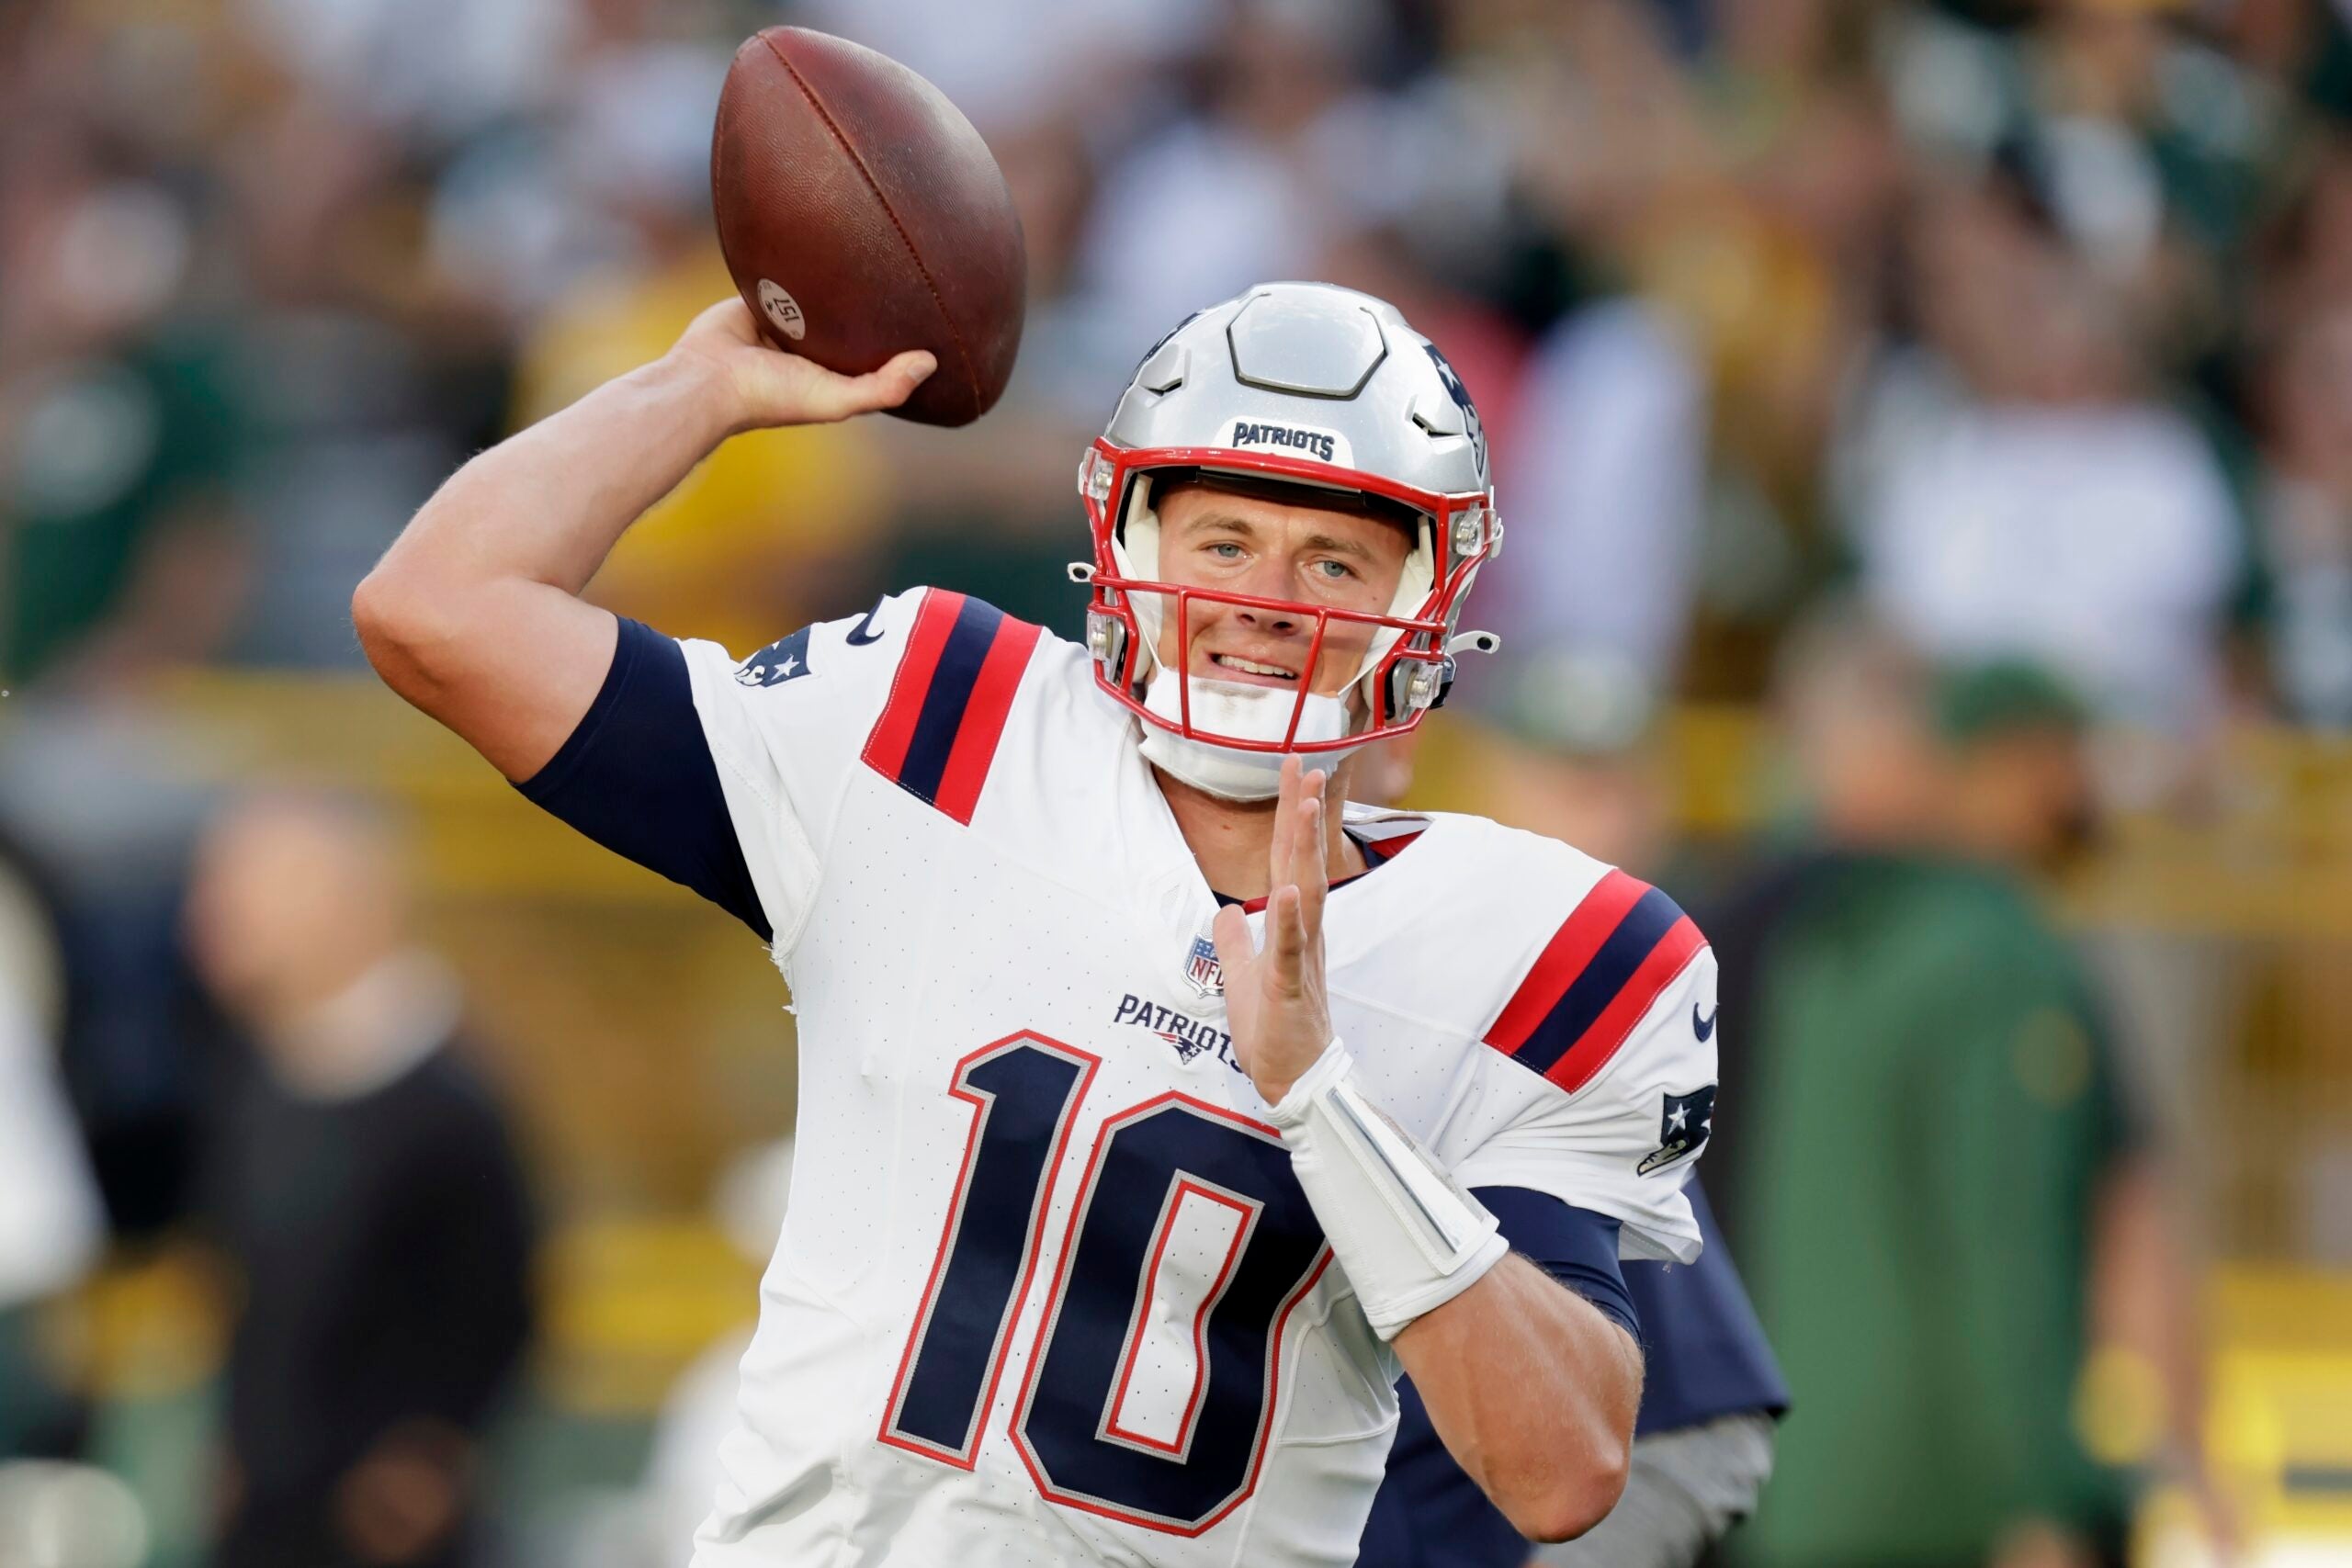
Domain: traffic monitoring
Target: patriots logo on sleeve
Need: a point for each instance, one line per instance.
(779, 661)
(1685, 1123)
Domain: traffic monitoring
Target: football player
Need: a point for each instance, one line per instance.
(1156, 1106)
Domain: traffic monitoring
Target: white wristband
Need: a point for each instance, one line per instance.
(1408, 1236)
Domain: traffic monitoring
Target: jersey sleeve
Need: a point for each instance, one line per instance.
(728, 776)
(637, 776)
(916, 692)
(1576, 1246)
(1596, 1081)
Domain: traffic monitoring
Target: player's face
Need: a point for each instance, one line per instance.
(1268, 549)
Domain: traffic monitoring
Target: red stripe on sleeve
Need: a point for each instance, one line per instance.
(885, 746)
(1597, 1044)
(1564, 958)
(984, 716)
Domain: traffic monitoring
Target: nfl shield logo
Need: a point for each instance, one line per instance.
(1202, 971)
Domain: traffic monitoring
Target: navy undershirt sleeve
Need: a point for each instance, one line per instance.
(1574, 1245)
(637, 776)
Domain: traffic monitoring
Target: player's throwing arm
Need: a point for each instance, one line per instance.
(474, 613)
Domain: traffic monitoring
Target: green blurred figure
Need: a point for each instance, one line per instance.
(1928, 1128)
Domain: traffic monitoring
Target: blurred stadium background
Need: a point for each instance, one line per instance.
(2016, 330)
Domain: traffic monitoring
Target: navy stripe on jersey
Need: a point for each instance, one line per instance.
(1576, 1246)
(1643, 926)
(638, 777)
(951, 692)
(937, 736)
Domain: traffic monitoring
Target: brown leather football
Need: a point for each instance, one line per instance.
(861, 215)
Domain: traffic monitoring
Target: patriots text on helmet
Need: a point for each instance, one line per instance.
(1325, 445)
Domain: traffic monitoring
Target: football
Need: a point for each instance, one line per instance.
(861, 214)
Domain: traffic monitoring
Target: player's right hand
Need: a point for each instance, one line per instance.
(1276, 999)
(763, 387)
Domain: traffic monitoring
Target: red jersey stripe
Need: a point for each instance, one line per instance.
(984, 716)
(886, 745)
(1597, 1044)
(1565, 957)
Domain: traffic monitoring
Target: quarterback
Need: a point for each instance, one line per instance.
(1158, 1105)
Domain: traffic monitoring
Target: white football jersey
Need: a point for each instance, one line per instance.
(1046, 1291)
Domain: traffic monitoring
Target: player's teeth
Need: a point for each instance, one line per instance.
(1249, 668)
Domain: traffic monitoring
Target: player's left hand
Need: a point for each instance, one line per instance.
(1275, 998)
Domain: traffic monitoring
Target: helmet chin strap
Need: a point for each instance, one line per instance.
(1243, 710)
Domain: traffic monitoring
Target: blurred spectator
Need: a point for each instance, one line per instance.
(100, 782)
(367, 1192)
(60, 1514)
(1247, 176)
(993, 58)
(51, 1223)
(113, 432)
(440, 67)
(1930, 1122)
(1605, 489)
(2014, 490)
(2303, 399)
(2306, 523)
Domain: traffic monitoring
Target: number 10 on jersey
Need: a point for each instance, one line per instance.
(1150, 1390)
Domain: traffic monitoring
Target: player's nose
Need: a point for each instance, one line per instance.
(1276, 621)
(1269, 580)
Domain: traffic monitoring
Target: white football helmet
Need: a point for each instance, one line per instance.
(1311, 388)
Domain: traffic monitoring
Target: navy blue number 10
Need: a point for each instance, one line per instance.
(1103, 1423)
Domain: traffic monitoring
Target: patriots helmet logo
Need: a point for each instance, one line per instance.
(1683, 1128)
(787, 660)
(1201, 970)
(1461, 396)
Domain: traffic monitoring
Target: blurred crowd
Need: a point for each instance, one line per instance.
(1970, 379)
(2027, 321)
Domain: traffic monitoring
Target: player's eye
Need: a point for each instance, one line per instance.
(1226, 549)
(1333, 571)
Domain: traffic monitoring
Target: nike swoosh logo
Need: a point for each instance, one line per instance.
(864, 632)
(1705, 1026)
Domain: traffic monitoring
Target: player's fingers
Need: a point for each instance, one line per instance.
(1286, 937)
(1231, 934)
(1310, 853)
(884, 388)
(1278, 853)
(1308, 872)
